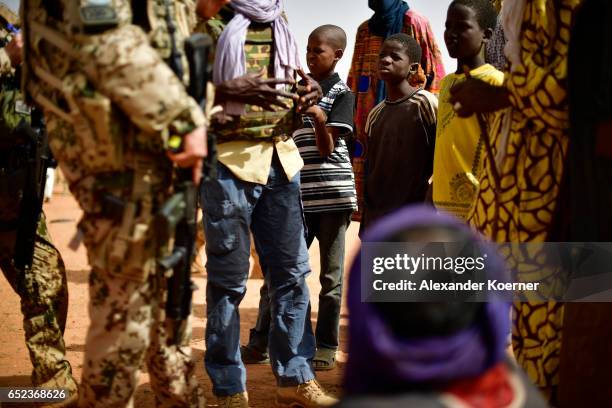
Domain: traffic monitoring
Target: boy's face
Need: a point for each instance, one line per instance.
(209, 8)
(321, 56)
(393, 62)
(463, 35)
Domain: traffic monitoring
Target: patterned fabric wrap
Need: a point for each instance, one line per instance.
(256, 123)
(531, 173)
(494, 51)
(363, 80)
(43, 292)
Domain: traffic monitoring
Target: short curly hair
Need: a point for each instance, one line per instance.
(486, 15)
(332, 34)
(409, 44)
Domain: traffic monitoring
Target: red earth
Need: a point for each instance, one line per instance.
(62, 214)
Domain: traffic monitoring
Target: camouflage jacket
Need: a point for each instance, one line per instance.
(103, 84)
(256, 123)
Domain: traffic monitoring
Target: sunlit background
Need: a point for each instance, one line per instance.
(305, 15)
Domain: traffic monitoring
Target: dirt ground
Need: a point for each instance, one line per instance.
(62, 214)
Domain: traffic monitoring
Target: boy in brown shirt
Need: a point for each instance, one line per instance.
(401, 132)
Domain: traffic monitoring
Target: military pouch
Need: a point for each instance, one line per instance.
(13, 110)
(98, 141)
(106, 146)
(127, 253)
(131, 254)
(96, 18)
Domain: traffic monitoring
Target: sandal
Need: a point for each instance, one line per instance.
(324, 359)
(250, 355)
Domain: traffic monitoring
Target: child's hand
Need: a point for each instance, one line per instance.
(316, 113)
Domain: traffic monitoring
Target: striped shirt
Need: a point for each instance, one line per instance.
(327, 183)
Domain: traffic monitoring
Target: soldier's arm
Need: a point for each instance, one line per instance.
(122, 65)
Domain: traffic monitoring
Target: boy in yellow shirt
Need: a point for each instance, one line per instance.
(460, 143)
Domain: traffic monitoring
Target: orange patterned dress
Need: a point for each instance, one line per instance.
(522, 207)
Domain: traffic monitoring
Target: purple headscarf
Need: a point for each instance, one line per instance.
(230, 61)
(379, 360)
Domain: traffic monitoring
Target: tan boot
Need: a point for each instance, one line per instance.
(240, 400)
(70, 402)
(307, 395)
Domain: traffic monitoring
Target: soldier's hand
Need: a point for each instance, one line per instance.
(14, 50)
(193, 153)
(309, 91)
(255, 90)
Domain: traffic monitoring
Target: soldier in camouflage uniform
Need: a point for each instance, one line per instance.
(113, 109)
(43, 287)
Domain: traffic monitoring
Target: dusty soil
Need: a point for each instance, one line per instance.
(62, 215)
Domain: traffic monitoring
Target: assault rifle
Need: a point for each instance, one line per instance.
(37, 159)
(179, 213)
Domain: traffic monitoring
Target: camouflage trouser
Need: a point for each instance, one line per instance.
(44, 304)
(128, 326)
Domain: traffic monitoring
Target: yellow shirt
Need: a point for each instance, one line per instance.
(250, 160)
(459, 148)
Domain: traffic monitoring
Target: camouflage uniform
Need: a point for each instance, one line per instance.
(44, 303)
(43, 288)
(111, 104)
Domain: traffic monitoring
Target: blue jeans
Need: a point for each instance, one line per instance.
(273, 212)
(330, 229)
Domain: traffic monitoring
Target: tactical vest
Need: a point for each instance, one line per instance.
(13, 159)
(13, 110)
(101, 135)
(256, 123)
(101, 152)
(154, 19)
